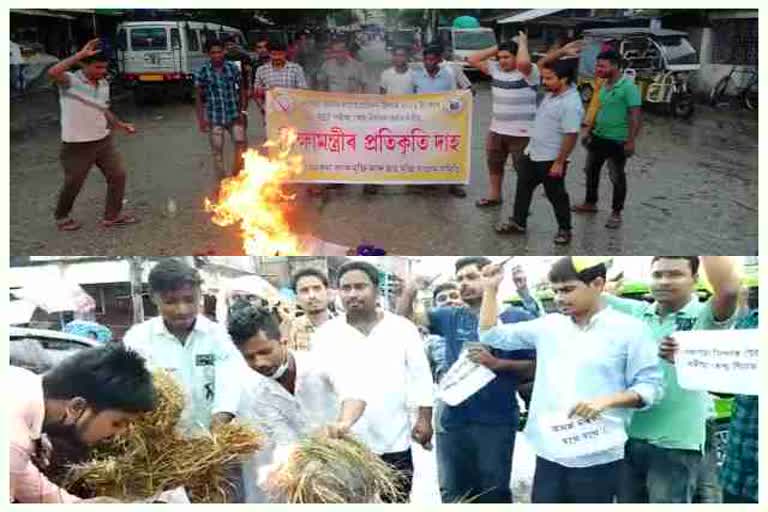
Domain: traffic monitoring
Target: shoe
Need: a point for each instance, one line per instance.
(585, 208)
(370, 190)
(614, 221)
(563, 237)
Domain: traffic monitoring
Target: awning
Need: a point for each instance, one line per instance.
(529, 15)
(42, 12)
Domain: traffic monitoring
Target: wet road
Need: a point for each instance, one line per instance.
(692, 189)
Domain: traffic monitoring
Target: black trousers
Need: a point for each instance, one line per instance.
(403, 463)
(601, 151)
(529, 176)
(553, 483)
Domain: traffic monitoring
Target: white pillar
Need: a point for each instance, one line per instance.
(705, 52)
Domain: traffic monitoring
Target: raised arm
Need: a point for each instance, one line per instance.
(480, 59)
(523, 58)
(723, 275)
(58, 72)
(572, 49)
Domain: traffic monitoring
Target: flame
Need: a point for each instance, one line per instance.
(254, 199)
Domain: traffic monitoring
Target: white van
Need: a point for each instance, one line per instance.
(460, 43)
(154, 55)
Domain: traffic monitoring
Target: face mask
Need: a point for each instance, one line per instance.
(280, 371)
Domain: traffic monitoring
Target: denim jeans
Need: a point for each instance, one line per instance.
(474, 463)
(651, 474)
(555, 483)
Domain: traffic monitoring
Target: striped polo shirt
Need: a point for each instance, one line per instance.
(514, 100)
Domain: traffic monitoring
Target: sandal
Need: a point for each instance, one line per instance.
(122, 220)
(509, 228)
(487, 203)
(458, 191)
(68, 224)
(563, 237)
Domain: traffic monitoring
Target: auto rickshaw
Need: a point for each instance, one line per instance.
(659, 60)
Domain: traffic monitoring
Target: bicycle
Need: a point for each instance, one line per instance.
(747, 93)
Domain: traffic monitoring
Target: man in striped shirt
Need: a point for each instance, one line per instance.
(515, 80)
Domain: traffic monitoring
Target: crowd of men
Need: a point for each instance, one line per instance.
(372, 373)
(538, 131)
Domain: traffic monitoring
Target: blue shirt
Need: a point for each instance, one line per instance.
(222, 92)
(494, 404)
(443, 81)
(612, 353)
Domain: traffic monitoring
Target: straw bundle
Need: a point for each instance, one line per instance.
(152, 455)
(326, 470)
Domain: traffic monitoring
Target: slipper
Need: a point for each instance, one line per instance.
(487, 203)
(563, 237)
(585, 208)
(509, 227)
(122, 220)
(68, 224)
(458, 191)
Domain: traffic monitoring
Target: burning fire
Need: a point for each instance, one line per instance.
(254, 199)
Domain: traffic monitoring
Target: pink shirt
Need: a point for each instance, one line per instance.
(26, 414)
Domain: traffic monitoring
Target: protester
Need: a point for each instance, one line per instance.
(86, 135)
(739, 474)
(390, 349)
(221, 104)
(476, 438)
(664, 454)
(341, 72)
(397, 79)
(278, 72)
(198, 351)
(87, 398)
(612, 137)
(431, 77)
(530, 303)
(235, 54)
(515, 80)
(288, 394)
(311, 288)
(545, 160)
(592, 362)
(262, 51)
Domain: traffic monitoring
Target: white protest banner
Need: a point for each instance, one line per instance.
(463, 379)
(577, 436)
(725, 361)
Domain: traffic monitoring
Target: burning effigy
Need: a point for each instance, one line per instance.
(254, 199)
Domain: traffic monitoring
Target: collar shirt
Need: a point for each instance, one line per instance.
(207, 366)
(286, 418)
(391, 370)
(678, 421)
(613, 353)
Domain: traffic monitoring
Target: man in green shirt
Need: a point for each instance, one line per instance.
(612, 137)
(664, 454)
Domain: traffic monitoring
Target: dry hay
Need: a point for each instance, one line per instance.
(327, 470)
(153, 455)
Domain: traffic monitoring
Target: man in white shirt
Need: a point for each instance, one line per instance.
(515, 80)
(86, 135)
(398, 79)
(197, 351)
(390, 349)
(593, 363)
(288, 394)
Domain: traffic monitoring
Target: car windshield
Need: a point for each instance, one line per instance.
(149, 39)
(678, 50)
(474, 40)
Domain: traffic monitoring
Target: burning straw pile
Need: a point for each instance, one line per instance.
(153, 455)
(328, 470)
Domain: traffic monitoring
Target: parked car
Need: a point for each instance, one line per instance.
(38, 350)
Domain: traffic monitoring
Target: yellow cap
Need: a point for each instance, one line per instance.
(582, 263)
